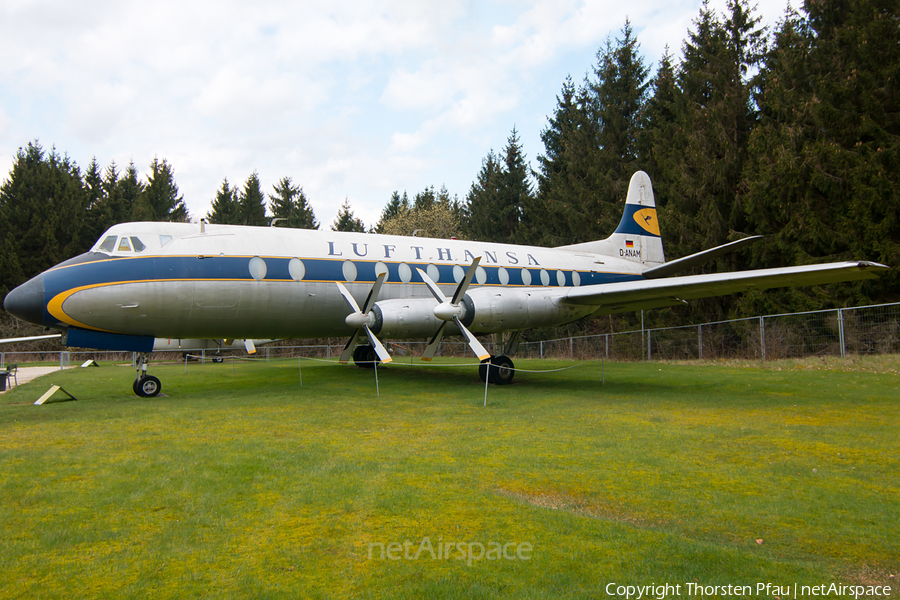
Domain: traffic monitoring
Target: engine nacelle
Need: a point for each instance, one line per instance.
(405, 318)
(490, 310)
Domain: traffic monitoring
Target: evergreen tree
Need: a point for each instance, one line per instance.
(591, 150)
(496, 200)
(483, 196)
(714, 115)
(620, 91)
(117, 198)
(159, 200)
(656, 140)
(252, 202)
(565, 184)
(822, 173)
(515, 190)
(225, 208)
(42, 214)
(290, 203)
(95, 199)
(395, 206)
(345, 220)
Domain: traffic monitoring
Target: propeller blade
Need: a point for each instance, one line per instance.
(474, 344)
(434, 343)
(348, 297)
(464, 284)
(373, 294)
(380, 350)
(348, 349)
(432, 287)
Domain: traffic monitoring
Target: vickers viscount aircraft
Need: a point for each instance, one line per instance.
(145, 286)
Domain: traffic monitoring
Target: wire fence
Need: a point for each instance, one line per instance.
(837, 332)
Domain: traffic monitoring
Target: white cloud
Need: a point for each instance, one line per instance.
(350, 99)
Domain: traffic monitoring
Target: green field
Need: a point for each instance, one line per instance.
(240, 482)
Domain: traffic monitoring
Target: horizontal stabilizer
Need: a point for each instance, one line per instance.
(682, 264)
(631, 295)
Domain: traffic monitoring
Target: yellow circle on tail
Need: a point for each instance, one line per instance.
(646, 218)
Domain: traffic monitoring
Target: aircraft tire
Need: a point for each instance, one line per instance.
(502, 370)
(365, 356)
(482, 369)
(147, 387)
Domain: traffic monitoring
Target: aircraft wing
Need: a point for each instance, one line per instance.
(669, 291)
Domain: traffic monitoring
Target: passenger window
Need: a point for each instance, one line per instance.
(138, 245)
(109, 244)
(164, 239)
(124, 246)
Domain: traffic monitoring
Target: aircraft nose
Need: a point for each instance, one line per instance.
(26, 302)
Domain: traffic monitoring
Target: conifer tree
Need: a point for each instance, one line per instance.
(252, 202)
(483, 196)
(395, 206)
(225, 207)
(822, 178)
(345, 221)
(42, 214)
(159, 199)
(290, 203)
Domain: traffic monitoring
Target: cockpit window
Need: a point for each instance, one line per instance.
(109, 244)
(138, 245)
(124, 246)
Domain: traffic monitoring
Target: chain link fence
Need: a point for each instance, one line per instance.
(838, 332)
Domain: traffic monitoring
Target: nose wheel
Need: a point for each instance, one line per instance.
(145, 386)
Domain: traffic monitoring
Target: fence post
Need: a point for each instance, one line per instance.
(700, 340)
(542, 349)
(649, 351)
(607, 346)
(762, 336)
(841, 331)
(571, 349)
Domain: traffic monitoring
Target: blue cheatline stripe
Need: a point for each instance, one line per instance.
(156, 268)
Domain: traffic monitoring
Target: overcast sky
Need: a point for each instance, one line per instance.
(351, 99)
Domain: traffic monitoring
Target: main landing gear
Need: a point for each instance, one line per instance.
(145, 386)
(365, 356)
(501, 370)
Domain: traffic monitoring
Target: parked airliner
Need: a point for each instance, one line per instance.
(150, 286)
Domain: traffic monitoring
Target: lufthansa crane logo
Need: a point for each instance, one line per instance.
(646, 218)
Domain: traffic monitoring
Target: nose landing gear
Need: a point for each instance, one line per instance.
(145, 386)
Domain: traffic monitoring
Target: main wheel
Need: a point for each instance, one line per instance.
(147, 386)
(365, 356)
(502, 370)
(482, 369)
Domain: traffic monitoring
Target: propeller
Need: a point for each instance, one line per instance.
(361, 319)
(451, 310)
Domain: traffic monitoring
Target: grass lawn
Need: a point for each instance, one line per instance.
(240, 482)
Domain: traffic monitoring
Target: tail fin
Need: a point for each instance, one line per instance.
(637, 237)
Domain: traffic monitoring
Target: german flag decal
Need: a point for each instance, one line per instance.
(629, 244)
